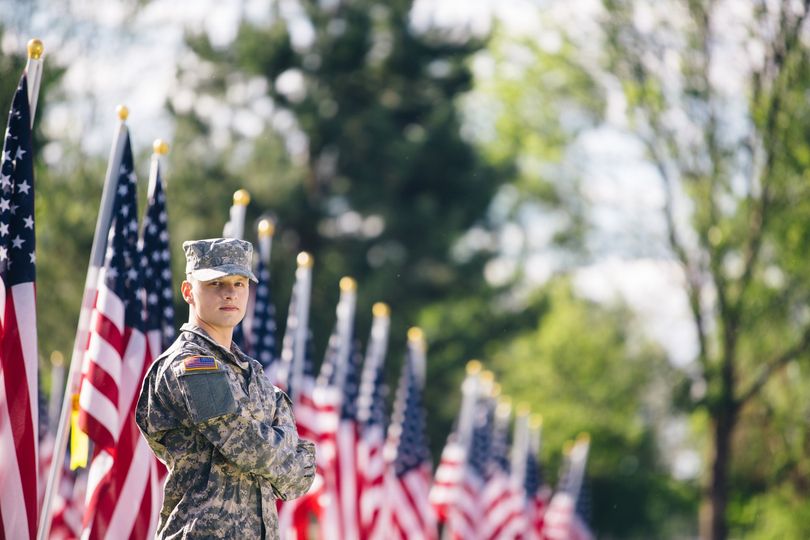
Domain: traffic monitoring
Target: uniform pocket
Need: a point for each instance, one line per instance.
(208, 395)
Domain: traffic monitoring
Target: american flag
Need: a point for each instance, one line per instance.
(315, 422)
(408, 480)
(449, 474)
(537, 492)
(263, 328)
(112, 371)
(372, 422)
(346, 473)
(19, 411)
(158, 291)
(465, 515)
(561, 520)
(502, 498)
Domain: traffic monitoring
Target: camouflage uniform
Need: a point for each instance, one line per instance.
(228, 438)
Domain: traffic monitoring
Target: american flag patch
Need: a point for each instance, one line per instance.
(200, 363)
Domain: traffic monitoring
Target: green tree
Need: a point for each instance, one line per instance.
(361, 157)
(729, 147)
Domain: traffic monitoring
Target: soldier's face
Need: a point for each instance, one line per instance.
(219, 303)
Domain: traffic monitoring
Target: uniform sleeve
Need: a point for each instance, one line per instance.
(265, 448)
(293, 477)
(155, 415)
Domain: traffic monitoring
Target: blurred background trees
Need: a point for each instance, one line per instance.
(451, 171)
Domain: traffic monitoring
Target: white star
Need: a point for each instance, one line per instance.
(122, 169)
(23, 187)
(162, 217)
(14, 209)
(20, 153)
(153, 298)
(164, 236)
(5, 181)
(5, 205)
(152, 228)
(33, 257)
(166, 274)
(112, 273)
(122, 189)
(3, 229)
(7, 155)
(29, 222)
(3, 253)
(132, 274)
(17, 242)
(125, 210)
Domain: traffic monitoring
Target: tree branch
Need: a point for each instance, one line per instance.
(772, 367)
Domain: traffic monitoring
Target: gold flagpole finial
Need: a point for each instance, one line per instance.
(160, 147)
(584, 438)
(536, 421)
(57, 358)
(241, 197)
(473, 367)
(304, 260)
(522, 409)
(348, 284)
(488, 377)
(380, 309)
(415, 334)
(266, 228)
(568, 447)
(123, 112)
(35, 49)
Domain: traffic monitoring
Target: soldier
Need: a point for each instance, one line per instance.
(225, 433)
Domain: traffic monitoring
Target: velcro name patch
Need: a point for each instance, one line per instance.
(201, 363)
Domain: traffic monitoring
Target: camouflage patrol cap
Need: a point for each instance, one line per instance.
(216, 257)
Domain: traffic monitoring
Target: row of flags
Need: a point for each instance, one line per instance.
(375, 477)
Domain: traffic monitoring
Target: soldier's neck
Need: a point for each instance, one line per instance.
(222, 335)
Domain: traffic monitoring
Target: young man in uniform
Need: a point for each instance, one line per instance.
(225, 433)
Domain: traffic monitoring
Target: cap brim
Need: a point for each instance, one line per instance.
(207, 274)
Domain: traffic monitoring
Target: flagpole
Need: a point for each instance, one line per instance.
(96, 261)
(345, 322)
(34, 71)
(520, 443)
(303, 277)
(159, 148)
(265, 230)
(235, 227)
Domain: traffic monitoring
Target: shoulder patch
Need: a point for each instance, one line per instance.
(200, 363)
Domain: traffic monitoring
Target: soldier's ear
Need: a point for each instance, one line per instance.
(185, 289)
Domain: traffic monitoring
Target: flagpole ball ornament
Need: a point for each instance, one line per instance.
(241, 197)
(380, 309)
(415, 334)
(473, 367)
(160, 147)
(348, 284)
(266, 228)
(218, 257)
(123, 112)
(304, 260)
(35, 49)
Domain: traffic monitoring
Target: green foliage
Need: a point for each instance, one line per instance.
(385, 184)
(579, 369)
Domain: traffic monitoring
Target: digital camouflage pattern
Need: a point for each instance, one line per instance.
(216, 257)
(227, 437)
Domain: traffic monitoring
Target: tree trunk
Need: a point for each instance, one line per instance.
(717, 526)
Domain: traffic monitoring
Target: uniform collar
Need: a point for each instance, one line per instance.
(238, 356)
